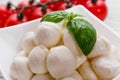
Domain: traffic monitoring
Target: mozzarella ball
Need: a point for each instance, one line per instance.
(86, 72)
(28, 42)
(47, 35)
(21, 53)
(51, 24)
(70, 42)
(37, 59)
(20, 69)
(74, 76)
(60, 42)
(61, 62)
(77, 76)
(80, 60)
(13, 73)
(106, 67)
(62, 25)
(115, 53)
(101, 47)
(43, 77)
(69, 78)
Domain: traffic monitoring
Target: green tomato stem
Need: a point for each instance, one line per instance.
(20, 15)
(51, 2)
(94, 1)
(44, 8)
(68, 5)
(31, 1)
(9, 4)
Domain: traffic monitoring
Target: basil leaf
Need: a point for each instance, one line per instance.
(84, 34)
(72, 15)
(55, 17)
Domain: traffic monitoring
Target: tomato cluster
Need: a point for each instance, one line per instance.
(28, 10)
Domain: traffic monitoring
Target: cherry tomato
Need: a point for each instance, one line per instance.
(78, 2)
(74, 2)
(13, 20)
(51, 6)
(5, 12)
(55, 6)
(59, 6)
(23, 3)
(44, 1)
(98, 8)
(37, 13)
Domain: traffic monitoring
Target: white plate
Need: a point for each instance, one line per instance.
(11, 37)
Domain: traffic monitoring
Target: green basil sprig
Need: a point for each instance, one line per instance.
(55, 17)
(58, 16)
(83, 32)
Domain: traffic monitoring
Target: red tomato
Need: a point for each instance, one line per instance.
(13, 20)
(59, 6)
(44, 1)
(27, 12)
(77, 2)
(98, 8)
(5, 12)
(74, 2)
(55, 6)
(37, 13)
